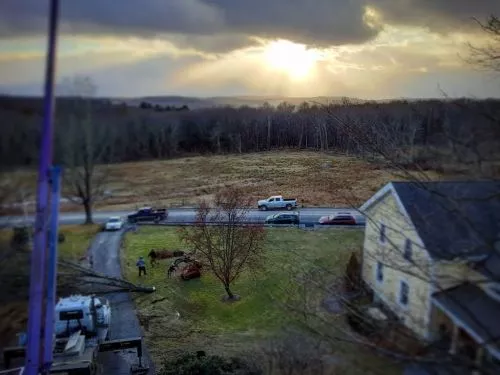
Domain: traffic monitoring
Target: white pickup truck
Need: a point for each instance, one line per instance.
(277, 202)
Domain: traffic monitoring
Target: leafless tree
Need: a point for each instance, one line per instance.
(470, 151)
(86, 145)
(488, 56)
(230, 247)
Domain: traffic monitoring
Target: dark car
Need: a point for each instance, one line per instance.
(148, 214)
(338, 219)
(283, 218)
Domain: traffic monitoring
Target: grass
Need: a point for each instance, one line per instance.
(208, 324)
(316, 179)
(14, 303)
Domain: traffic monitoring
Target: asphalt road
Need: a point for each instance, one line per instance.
(183, 215)
(105, 251)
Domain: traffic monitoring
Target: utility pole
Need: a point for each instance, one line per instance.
(38, 257)
(55, 180)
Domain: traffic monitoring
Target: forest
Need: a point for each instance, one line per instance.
(418, 131)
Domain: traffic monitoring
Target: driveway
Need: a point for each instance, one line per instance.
(105, 251)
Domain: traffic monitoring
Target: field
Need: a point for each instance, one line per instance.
(316, 179)
(190, 315)
(14, 277)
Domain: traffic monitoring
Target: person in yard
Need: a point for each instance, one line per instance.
(141, 265)
(171, 270)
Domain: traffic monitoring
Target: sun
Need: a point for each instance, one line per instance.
(294, 59)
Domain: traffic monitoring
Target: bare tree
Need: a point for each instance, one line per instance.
(488, 56)
(230, 246)
(85, 144)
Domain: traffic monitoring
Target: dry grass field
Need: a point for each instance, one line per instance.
(316, 179)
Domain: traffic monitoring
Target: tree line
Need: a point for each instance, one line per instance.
(119, 133)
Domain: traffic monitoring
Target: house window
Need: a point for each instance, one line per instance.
(404, 290)
(382, 236)
(408, 251)
(380, 272)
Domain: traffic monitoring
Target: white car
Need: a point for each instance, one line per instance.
(114, 223)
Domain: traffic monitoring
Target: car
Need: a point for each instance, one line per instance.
(114, 223)
(343, 218)
(283, 218)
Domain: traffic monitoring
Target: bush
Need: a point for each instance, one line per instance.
(200, 364)
(352, 277)
(20, 237)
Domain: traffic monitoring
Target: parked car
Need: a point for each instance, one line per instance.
(338, 219)
(277, 202)
(148, 214)
(283, 218)
(114, 223)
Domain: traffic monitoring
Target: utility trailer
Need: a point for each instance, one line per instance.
(82, 332)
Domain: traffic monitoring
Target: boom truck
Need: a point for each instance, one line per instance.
(81, 332)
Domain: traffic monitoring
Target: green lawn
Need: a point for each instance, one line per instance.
(208, 324)
(78, 240)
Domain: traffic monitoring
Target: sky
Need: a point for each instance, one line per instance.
(372, 49)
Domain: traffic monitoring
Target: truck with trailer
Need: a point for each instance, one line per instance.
(277, 202)
(81, 332)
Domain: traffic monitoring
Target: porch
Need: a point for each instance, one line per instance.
(465, 323)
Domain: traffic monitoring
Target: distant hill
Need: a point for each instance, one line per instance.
(235, 101)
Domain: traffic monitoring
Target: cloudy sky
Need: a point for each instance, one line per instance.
(361, 48)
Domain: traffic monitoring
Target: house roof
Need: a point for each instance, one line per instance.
(453, 218)
(473, 310)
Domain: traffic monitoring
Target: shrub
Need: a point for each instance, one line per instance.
(20, 237)
(352, 277)
(200, 364)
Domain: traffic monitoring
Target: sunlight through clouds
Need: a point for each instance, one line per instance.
(280, 53)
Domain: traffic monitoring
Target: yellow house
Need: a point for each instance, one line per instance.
(431, 255)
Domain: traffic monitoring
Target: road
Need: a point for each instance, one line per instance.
(105, 251)
(183, 215)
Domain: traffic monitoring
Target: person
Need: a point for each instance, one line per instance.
(171, 270)
(141, 265)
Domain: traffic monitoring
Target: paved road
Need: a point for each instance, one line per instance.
(105, 251)
(184, 215)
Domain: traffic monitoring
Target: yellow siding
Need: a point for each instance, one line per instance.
(448, 274)
(396, 269)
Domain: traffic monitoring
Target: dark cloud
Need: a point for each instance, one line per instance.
(320, 21)
(221, 25)
(437, 15)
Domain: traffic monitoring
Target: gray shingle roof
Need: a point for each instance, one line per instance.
(475, 309)
(453, 218)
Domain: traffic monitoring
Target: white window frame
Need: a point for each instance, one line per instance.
(408, 245)
(382, 225)
(376, 272)
(405, 282)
